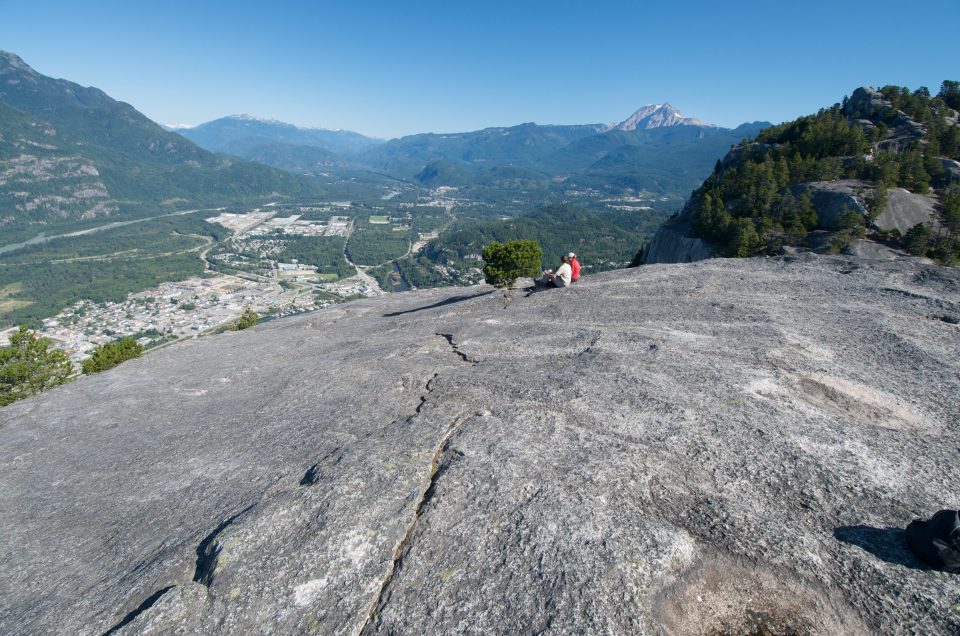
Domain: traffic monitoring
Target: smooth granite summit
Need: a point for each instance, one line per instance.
(723, 447)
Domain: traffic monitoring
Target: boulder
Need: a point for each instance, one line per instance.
(729, 446)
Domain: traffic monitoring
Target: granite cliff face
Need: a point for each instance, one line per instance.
(730, 446)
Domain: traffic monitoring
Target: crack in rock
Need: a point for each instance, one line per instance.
(589, 349)
(138, 610)
(208, 551)
(312, 476)
(456, 349)
(403, 547)
(426, 396)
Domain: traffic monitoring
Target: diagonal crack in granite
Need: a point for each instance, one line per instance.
(403, 546)
(449, 337)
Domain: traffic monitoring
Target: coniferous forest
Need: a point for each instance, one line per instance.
(751, 204)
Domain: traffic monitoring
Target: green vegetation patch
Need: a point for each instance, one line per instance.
(30, 365)
(376, 244)
(323, 252)
(110, 354)
(506, 262)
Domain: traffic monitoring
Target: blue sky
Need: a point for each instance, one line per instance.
(394, 68)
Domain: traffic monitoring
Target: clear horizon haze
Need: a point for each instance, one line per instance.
(388, 69)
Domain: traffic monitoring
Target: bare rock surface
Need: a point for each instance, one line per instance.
(951, 166)
(871, 250)
(672, 243)
(904, 210)
(729, 446)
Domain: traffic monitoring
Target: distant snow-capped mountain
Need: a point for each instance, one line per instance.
(656, 116)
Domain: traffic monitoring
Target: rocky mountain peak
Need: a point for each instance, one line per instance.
(12, 59)
(14, 70)
(657, 116)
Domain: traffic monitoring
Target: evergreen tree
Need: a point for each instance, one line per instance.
(950, 94)
(808, 213)
(30, 365)
(110, 354)
(506, 262)
(913, 175)
(744, 240)
(950, 219)
(877, 201)
(917, 240)
(248, 319)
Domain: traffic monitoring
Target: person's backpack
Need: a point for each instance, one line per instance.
(937, 542)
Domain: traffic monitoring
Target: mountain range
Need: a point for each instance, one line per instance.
(73, 155)
(657, 149)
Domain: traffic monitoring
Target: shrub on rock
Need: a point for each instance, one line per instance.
(247, 319)
(29, 365)
(506, 262)
(110, 354)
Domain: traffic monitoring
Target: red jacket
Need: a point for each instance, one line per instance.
(575, 266)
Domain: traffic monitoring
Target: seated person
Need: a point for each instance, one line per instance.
(559, 278)
(574, 267)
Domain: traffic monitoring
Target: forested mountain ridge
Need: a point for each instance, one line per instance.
(65, 183)
(882, 165)
(521, 145)
(72, 153)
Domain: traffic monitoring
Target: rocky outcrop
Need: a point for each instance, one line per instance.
(904, 210)
(867, 103)
(832, 199)
(951, 167)
(731, 446)
(673, 244)
(867, 106)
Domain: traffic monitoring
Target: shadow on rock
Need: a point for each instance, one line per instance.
(888, 544)
(447, 301)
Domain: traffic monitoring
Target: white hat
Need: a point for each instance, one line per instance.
(571, 255)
